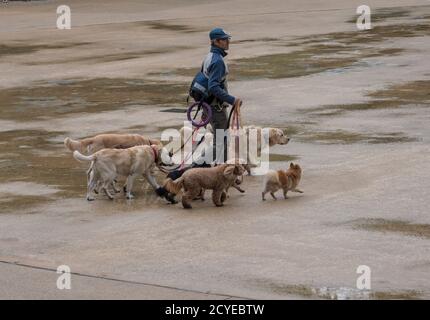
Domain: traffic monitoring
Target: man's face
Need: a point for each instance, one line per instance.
(223, 43)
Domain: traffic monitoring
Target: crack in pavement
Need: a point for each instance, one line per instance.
(226, 296)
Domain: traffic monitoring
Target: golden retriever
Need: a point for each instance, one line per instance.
(107, 164)
(275, 136)
(195, 180)
(281, 179)
(109, 141)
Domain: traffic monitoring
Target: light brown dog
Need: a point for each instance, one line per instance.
(108, 164)
(275, 136)
(194, 180)
(109, 141)
(281, 179)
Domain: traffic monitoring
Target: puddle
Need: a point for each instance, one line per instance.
(376, 34)
(25, 189)
(44, 171)
(160, 25)
(400, 95)
(320, 53)
(313, 59)
(121, 56)
(40, 172)
(398, 226)
(338, 293)
(15, 49)
(13, 204)
(383, 14)
(53, 99)
(282, 157)
(264, 39)
(350, 137)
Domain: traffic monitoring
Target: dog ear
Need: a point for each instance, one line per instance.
(271, 136)
(238, 169)
(229, 171)
(291, 165)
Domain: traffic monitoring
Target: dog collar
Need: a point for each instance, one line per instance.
(154, 151)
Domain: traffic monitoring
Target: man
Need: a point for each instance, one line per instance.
(216, 71)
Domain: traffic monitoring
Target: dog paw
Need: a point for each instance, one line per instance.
(130, 196)
(171, 198)
(90, 199)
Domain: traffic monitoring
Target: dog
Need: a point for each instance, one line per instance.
(108, 141)
(196, 180)
(108, 164)
(275, 136)
(281, 179)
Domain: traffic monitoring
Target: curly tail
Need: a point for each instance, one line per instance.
(174, 186)
(80, 157)
(73, 145)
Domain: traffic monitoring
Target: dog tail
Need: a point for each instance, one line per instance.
(174, 186)
(80, 157)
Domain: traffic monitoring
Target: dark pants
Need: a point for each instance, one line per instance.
(179, 172)
(219, 120)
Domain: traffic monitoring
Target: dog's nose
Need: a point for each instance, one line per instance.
(171, 154)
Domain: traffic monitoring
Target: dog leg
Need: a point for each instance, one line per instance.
(216, 197)
(151, 180)
(223, 196)
(130, 181)
(92, 184)
(263, 195)
(273, 195)
(238, 188)
(201, 195)
(285, 193)
(186, 198)
(105, 189)
(115, 189)
(297, 190)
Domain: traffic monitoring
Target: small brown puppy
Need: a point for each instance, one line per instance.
(281, 179)
(109, 141)
(193, 181)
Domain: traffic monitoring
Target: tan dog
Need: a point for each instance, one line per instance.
(108, 164)
(281, 179)
(193, 181)
(276, 136)
(109, 141)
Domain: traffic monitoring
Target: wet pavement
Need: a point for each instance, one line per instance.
(355, 105)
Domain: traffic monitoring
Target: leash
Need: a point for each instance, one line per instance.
(182, 164)
(235, 127)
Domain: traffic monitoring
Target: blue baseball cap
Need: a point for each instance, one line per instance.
(218, 33)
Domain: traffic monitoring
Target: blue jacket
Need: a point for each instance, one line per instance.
(216, 71)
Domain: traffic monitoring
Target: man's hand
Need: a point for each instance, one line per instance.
(238, 102)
